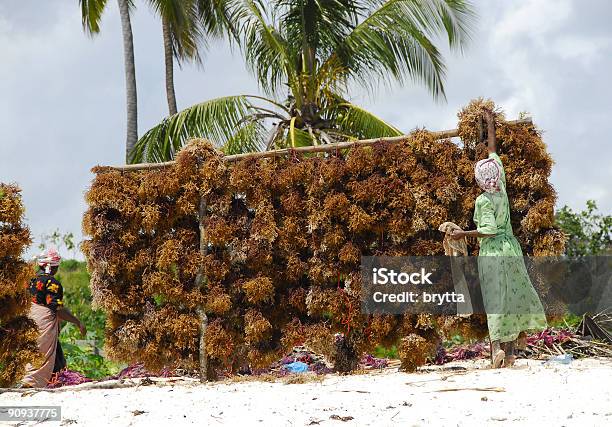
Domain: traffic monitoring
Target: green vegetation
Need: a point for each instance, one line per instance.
(569, 321)
(589, 232)
(306, 55)
(77, 297)
(386, 352)
(58, 239)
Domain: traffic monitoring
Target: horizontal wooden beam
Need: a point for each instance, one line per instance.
(444, 134)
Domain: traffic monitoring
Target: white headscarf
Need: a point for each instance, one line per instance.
(49, 258)
(488, 175)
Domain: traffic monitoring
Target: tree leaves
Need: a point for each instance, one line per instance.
(215, 120)
(307, 52)
(589, 232)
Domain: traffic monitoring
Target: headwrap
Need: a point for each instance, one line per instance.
(49, 258)
(488, 175)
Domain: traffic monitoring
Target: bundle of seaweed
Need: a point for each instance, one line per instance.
(283, 239)
(18, 334)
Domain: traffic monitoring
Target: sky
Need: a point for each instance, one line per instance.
(62, 102)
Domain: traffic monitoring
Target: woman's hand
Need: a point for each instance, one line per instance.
(65, 314)
(457, 234)
(82, 329)
(491, 140)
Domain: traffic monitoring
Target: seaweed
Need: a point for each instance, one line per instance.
(283, 240)
(18, 333)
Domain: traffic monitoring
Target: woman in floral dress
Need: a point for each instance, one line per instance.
(47, 311)
(511, 303)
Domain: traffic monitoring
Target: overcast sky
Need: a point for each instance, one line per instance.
(62, 103)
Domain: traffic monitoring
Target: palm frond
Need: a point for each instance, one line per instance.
(314, 27)
(91, 14)
(185, 29)
(216, 120)
(352, 120)
(215, 17)
(295, 137)
(395, 40)
(248, 138)
(265, 48)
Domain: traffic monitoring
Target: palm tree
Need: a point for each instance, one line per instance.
(91, 13)
(184, 25)
(305, 54)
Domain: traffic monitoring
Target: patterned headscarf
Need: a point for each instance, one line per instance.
(488, 175)
(49, 258)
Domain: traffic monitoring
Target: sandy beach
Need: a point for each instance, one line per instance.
(458, 394)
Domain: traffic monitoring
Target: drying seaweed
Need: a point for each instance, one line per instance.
(283, 240)
(18, 334)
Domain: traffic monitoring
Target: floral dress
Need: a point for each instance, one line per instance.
(47, 296)
(47, 290)
(511, 303)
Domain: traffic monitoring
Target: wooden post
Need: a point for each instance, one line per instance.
(199, 282)
(313, 148)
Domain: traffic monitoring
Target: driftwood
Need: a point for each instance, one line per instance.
(102, 385)
(589, 327)
(495, 389)
(312, 148)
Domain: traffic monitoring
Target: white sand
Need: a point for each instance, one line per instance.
(579, 394)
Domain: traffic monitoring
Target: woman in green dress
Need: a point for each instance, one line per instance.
(511, 303)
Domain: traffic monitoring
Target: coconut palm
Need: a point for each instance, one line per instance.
(305, 54)
(184, 25)
(91, 13)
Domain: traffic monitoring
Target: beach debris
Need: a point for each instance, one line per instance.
(589, 340)
(563, 359)
(67, 377)
(340, 418)
(461, 352)
(370, 362)
(494, 389)
(137, 370)
(296, 367)
(301, 355)
(553, 341)
(588, 327)
(549, 337)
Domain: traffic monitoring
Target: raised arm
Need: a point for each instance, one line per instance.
(491, 142)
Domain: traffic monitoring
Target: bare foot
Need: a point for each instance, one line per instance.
(509, 361)
(521, 341)
(498, 359)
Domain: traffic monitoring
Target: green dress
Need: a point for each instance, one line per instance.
(511, 303)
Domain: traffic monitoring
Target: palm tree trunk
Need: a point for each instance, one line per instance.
(130, 78)
(169, 59)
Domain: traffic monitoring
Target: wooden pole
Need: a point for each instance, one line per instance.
(444, 134)
(199, 282)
